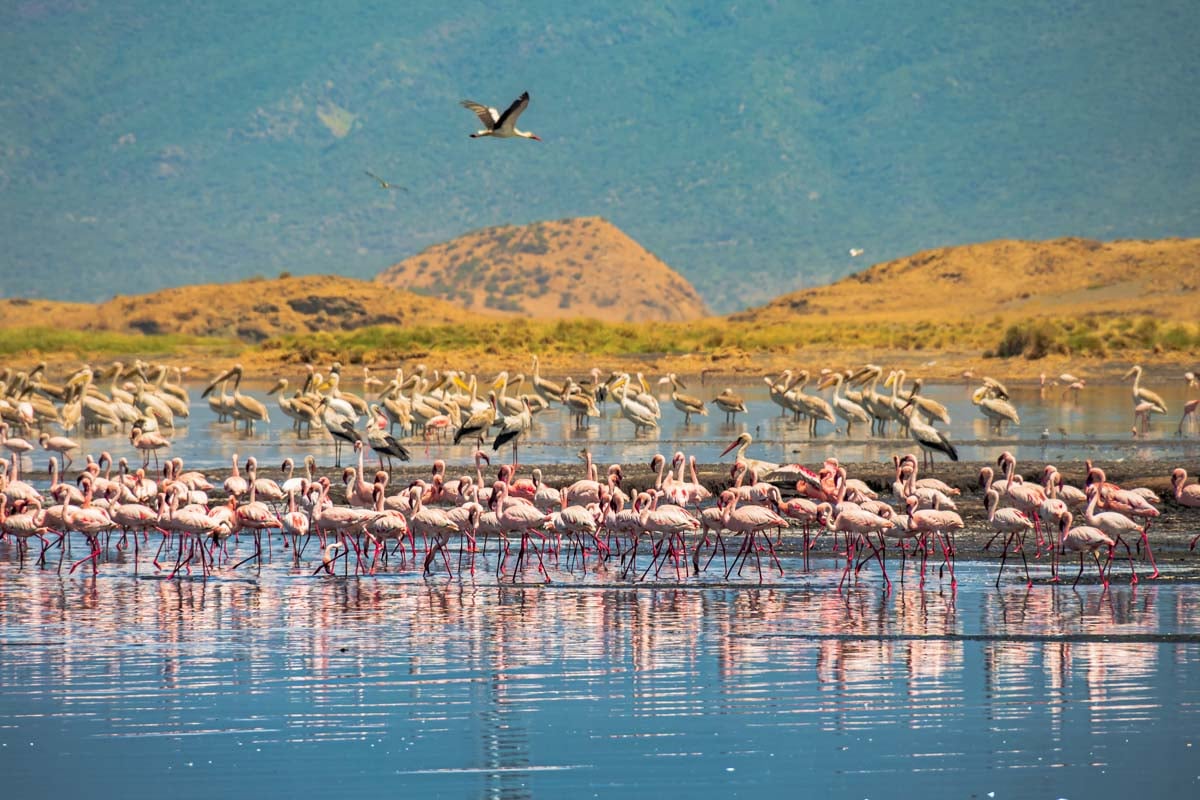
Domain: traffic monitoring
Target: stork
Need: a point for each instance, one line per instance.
(502, 126)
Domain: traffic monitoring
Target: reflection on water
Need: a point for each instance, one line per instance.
(285, 682)
(1097, 425)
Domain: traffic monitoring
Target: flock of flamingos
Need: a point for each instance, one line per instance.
(596, 522)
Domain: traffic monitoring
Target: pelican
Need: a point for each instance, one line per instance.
(732, 404)
(996, 410)
(684, 402)
(848, 410)
(632, 410)
(501, 126)
(244, 406)
(547, 390)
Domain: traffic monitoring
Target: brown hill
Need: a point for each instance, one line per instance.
(583, 267)
(1010, 279)
(251, 310)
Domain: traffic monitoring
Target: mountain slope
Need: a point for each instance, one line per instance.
(146, 143)
(250, 310)
(562, 269)
(1015, 279)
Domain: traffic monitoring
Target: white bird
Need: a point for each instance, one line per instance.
(502, 126)
(855, 252)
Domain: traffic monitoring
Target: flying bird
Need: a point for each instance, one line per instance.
(855, 252)
(499, 125)
(384, 184)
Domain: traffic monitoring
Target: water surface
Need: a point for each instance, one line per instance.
(276, 682)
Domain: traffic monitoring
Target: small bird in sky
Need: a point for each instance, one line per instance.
(384, 184)
(502, 126)
(855, 252)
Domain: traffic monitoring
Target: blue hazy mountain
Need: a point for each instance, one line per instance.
(749, 145)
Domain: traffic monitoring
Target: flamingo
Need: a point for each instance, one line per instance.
(149, 443)
(1085, 539)
(15, 445)
(1009, 521)
(858, 524)
(1117, 526)
(61, 445)
(1143, 395)
(235, 484)
(937, 522)
(1185, 495)
(500, 126)
(1188, 420)
(760, 468)
(516, 516)
(749, 521)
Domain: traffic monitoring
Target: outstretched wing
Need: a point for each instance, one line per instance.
(509, 117)
(488, 116)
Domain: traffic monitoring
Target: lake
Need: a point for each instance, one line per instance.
(279, 683)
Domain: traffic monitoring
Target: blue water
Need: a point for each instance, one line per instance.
(278, 683)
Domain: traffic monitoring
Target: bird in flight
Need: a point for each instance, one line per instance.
(502, 126)
(855, 252)
(384, 184)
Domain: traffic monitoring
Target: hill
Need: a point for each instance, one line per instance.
(567, 268)
(1007, 298)
(251, 311)
(147, 142)
(1011, 279)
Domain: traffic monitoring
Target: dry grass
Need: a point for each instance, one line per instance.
(568, 268)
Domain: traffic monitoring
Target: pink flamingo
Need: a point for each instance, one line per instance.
(750, 521)
(91, 522)
(386, 525)
(1118, 526)
(1188, 420)
(857, 525)
(1085, 539)
(1009, 521)
(670, 522)
(235, 484)
(1186, 495)
(149, 443)
(516, 516)
(23, 527)
(936, 521)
